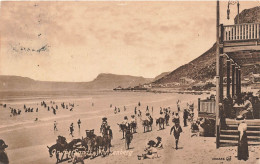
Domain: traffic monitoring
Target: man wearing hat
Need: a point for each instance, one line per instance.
(3, 156)
(151, 150)
(159, 142)
(248, 107)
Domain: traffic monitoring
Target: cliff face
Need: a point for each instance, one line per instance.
(249, 16)
(203, 67)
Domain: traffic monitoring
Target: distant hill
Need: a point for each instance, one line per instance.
(161, 75)
(203, 67)
(110, 81)
(103, 81)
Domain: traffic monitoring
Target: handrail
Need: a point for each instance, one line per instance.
(239, 24)
(245, 31)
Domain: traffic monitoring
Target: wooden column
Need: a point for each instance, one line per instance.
(233, 79)
(221, 91)
(217, 76)
(228, 78)
(237, 82)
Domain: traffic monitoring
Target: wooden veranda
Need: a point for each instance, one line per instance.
(240, 45)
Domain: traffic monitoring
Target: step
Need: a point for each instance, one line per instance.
(236, 142)
(235, 137)
(250, 127)
(236, 131)
(254, 122)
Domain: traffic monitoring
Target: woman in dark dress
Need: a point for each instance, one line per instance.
(242, 149)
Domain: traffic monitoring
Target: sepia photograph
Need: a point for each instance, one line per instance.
(129, 82)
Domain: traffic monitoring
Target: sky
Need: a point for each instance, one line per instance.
(76, 41)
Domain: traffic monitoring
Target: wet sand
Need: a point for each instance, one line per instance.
(28, 140)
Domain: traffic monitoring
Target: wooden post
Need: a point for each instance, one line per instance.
(237, 82)
(228, 78)
(199, 104)
(233, 79)
(221, 90)
(217, 76)
(238, 12)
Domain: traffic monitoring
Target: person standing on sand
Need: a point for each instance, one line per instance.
(176, 132)
(79, 122)
(135, 110)
(55, 126)
(242, 148)
(178, 105)
(147, 109)
(3, 156)
(185, 117)
(71, 129)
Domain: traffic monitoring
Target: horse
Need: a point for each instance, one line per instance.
(128, 138)
(89, 144)
(122, 127)
(161, 122)
(56, 148)
(71, 145)
(107, 143)
(102, 143)
(147, 124)
(133, 126)
(167, 117)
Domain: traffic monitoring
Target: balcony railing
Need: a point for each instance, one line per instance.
(240, 32)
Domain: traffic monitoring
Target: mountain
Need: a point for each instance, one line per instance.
(161, 75)
(203, 67)
(110, 81)
(103, 81)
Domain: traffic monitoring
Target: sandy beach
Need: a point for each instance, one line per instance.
(28, 140)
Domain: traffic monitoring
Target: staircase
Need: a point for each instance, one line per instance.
(229, 135)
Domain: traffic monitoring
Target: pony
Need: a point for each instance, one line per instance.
(122, 127)
(147, 123)
(62, 148)
(56, 148)
(161, 122)
(133, 126)
(167, 117)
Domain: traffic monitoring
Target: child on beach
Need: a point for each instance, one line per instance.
(176, 132)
